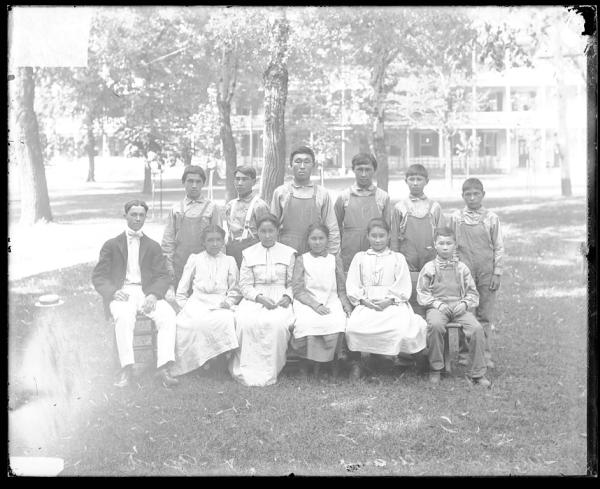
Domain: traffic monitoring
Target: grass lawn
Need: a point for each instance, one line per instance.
(531, 422)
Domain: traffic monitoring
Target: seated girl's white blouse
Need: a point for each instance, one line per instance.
(266, 267)
(378, 275)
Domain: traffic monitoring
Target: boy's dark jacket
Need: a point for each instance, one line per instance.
(109, 274)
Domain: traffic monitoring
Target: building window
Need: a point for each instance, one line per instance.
(523, 100)
(489, 144)
(426, 144)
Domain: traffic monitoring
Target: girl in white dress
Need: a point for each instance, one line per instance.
(379, 285)
(320, 303)
(205, 323)
(264, 317)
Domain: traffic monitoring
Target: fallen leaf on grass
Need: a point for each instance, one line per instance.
(448, 430)
(379, 462)
(347, 438)
(173, 465)
(185, 458)
(550, 462)
(493, 411)
(406, 462)
(584, 435)
(352, 467)
(247, 404)
(446, 419)
(465, 413)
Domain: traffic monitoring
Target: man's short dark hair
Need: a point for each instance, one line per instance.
(300, 150)
(472, 183)
(417, 169)
(246, 170)
(444, 231)
(193, 169)
(364, 159)
(131, 203)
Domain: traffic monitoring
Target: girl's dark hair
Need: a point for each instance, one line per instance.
(212, 228)
(317, 225)
(131, 203)
(270, 218)
(377, 222)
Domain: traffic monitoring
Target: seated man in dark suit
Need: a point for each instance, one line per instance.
(131, 276)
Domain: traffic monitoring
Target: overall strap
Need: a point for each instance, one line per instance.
(226, 224)
(284, 210)
(249, 216)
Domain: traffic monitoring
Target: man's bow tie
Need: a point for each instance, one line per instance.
(134, 234)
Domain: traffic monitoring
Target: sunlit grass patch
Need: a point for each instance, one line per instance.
(553, 292)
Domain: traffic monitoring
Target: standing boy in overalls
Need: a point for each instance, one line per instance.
(185, 223)
(300, 203)
(357, 205)
(242, 213)
(481, 247)
(413, 223)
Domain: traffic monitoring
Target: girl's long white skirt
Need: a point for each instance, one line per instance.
(202, 334)
(396, 329)
(263, 337)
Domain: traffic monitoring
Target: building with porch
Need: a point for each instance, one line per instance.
(514, 124)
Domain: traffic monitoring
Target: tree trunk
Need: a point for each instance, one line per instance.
(226, 89)
(35, 203)
(378, 130)
(450, 154)
(565, 171)
(186, 152)
(380, 153)
(90, 145)
(147, 188)
(276, 85)
(444, 157)
(229, 151)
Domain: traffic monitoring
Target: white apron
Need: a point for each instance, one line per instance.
(320, 280)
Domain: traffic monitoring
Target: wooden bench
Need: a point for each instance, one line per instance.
(451, 346)
(144, 341)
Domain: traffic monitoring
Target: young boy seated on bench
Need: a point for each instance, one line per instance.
(447, 290)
